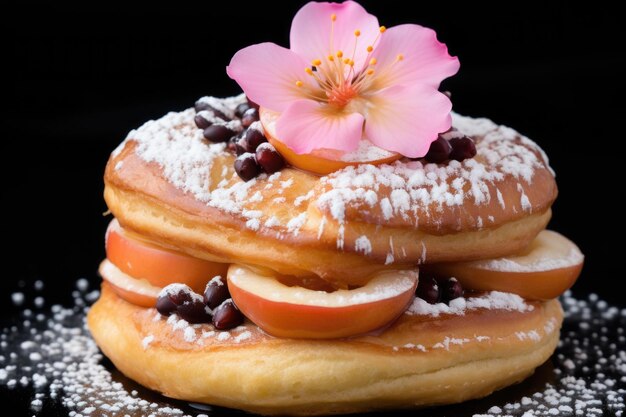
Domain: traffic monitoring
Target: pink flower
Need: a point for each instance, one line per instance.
(345, 78)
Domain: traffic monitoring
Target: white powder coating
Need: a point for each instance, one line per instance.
(366, 151)
(178, 146)
(146, 341)
(575, 257)
(459, 306)
(189, 334)
(561, 253)
(363, 245)
(294, 225)
(266, 145)
(415, 185)
(589, 376)
(225, 105)
(243, 336)
(216, 280)
(173, 289)
(222, 336)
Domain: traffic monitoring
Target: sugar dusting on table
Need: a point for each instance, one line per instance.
(50, 353)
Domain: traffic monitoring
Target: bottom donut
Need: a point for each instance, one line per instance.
(427, 357)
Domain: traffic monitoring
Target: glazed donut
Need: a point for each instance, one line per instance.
(167, 183)
(429, 356)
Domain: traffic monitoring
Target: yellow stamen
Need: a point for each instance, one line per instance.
(382, 29)
(373, 61)
(308, 71)
(346, 61)
(400, 57)
(299, 83)
(331, 58)
(370, 48)
(317, 62)
(370, 71)
(351, 63)
(333, 17)
(357, 33)
(339, 54)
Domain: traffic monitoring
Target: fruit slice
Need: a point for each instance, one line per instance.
(140, 258)
(136, 291)
(324, 161)
(548, 267)
(298, 312)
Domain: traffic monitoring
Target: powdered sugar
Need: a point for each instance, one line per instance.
(459, 306)
(415, 186)
(366, 152)
(226, 105)
(589, 375)
(146, 341)
(554, 252)
(187, 159)
(574, 258)
(363, 245)
(173, 289)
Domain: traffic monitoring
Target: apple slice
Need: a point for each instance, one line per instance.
(324, 161)
(545, 270)
(140, 258)
(298, 312)
(136, 291)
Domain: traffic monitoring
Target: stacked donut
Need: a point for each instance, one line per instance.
(375, 282)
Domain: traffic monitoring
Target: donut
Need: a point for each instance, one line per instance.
(311, 262)
(420, 360)
(165, 183)
(339, 243)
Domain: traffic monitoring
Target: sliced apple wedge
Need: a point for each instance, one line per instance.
(297, 312)
(136, 291)
(545, 270)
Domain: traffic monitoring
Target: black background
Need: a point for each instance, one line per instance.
(79, 80)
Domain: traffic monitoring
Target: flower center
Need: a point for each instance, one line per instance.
(341, 95)
(337, 82)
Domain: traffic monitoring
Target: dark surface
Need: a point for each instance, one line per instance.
(78, 81)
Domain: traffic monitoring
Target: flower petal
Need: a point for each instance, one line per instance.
(312, 28)
(407, 119)
(424, 58)
(268, 73)
(307, 125)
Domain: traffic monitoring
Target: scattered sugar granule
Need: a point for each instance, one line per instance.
(82, 284)
(64, 361)
(17, 298)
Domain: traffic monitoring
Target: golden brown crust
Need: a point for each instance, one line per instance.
(167, 183)
(459, 358)
(144, 201)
